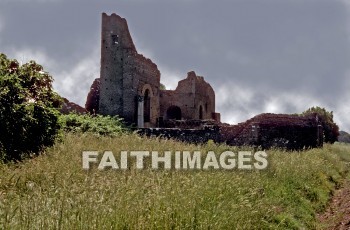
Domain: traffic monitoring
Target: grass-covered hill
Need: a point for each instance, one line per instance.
(43, 184)
(52, 191)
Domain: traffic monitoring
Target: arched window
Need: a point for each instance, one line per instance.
(200, 112)
(173, 112)
(147, 106)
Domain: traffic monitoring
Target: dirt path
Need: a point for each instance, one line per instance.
(337, 215)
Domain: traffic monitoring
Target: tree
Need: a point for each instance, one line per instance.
(330, 128)
(28, 114)
(162, 87)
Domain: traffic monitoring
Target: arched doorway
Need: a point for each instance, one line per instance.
(200, 112)
(173, 112)
(147, 106)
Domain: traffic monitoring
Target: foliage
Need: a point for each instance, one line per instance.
(97, 124)
(162, 87)
(330, 128)
(54, 192)
(28, 119)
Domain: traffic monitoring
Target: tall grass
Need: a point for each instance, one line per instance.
(52, 191)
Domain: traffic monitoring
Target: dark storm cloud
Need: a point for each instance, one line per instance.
(259, 55)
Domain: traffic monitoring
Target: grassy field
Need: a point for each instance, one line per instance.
(52, 191)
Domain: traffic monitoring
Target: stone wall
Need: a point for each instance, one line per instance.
(194, 98)
(194, 136)
(68, 107)
(279, 130)
(129, 84)
(115, 40)
(189, 124)
(292, 132)
(93, 98)
(127, 78)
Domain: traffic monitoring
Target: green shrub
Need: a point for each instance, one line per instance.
(330, 128)
(98, 124)
(28, 119)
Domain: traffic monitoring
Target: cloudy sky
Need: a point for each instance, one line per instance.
(278, 56)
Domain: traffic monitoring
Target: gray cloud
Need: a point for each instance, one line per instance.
(260, 56)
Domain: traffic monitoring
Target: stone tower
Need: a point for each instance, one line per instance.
(129, 84)
(129, 81)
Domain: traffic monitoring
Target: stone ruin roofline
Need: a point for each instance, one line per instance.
(138, 56)
(122, 20)
(142, 58)
(189, 75)
(148, 61)
(269, 118)
(192, 74)
(114, 15)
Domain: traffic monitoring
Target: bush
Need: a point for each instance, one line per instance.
(98, 124)
(330, 128)
(28, 119)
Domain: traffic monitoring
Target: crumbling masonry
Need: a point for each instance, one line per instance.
(129, 86)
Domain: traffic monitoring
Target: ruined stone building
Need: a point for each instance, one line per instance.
(129, 84)
(193, 98)
(292, 132)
